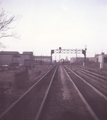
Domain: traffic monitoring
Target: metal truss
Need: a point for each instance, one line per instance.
(68, 51)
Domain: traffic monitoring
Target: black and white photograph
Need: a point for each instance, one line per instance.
(53, 59)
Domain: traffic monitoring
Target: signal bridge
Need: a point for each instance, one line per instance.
(70, 51)
(67, 51)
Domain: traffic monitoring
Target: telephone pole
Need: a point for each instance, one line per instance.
(85, 55)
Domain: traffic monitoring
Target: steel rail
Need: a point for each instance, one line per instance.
(45, 97)
(89, 74)
(83, 99)
(97, 91)
(24, 94)
(104, 72)
(88, 68)
(93, 73)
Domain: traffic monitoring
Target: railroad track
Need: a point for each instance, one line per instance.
(95, 79)
(97, 71)
(60, 94)
(94, 98)
(29, 105)
(63, 102)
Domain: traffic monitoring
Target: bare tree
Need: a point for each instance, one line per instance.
(5, 22)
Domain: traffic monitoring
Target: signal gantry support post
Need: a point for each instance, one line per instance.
(84, 53)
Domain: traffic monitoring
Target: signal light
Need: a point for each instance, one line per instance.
(84, 52)
(52, 51)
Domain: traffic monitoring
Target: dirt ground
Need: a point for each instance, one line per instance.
(13, 83)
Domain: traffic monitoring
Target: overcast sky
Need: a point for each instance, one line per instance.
(50, 24)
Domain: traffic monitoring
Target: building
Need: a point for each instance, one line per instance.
(97, 57)
(43, 59)
(26, 59)
(8, 58)
(78, 59)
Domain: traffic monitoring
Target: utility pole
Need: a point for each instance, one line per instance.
(84, 52)
(76, 54)
(85, 55)
(59, 53)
